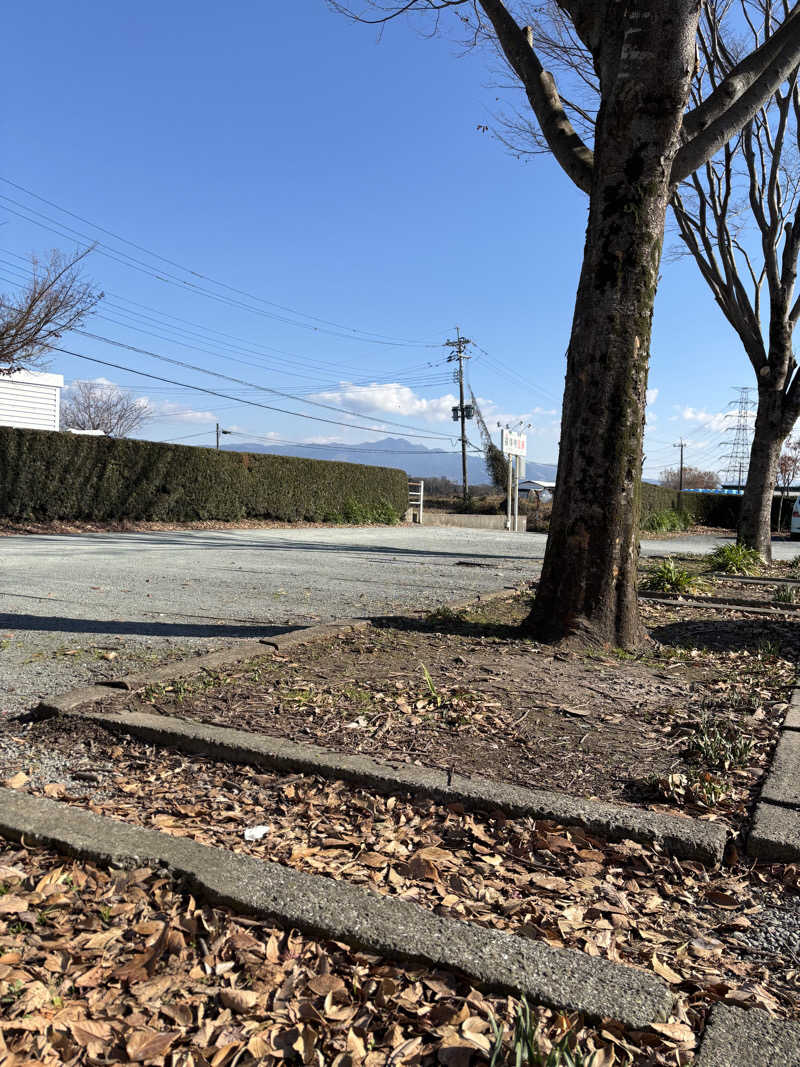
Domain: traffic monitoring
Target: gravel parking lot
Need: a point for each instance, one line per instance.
(77, 608)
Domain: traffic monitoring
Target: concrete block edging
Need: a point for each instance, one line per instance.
(683, 837)
(775, 833)
(333, 910)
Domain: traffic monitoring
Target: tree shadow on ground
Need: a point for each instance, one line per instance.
(138, 627)
(444, 621)
(762, 635)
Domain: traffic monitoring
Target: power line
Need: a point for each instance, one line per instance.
(418, 380)
(227, 396)
(243, 382)
(239, 381)
(513, 375)
(350, 334)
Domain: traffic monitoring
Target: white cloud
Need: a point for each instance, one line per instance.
(710, 420)
(652, 396)
(390, 398)
(169, 409)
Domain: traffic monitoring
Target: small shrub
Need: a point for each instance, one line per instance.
(769, 649)
(525, 1047)
(668, 577)
(433, 693)
(794, 566)
(718, 744)
(785, 594)
(667, 520)
(697, 787)
(736, 559)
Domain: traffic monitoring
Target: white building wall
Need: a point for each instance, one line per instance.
(30, 401)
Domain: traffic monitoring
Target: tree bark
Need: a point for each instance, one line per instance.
(587, 589)
(769, 434)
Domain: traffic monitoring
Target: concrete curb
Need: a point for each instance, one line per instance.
(682, 837)
(737, 1037)
(745, 579)
(775, 834)
(322, 907)
(228, 657)
(752, 606)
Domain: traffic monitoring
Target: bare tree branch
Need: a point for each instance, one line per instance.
(540, 88)
(738, 97)
(55, 300)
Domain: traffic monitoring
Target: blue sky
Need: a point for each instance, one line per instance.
(280, 150)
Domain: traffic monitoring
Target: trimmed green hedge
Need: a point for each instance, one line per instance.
(46, 475)
(704, 509)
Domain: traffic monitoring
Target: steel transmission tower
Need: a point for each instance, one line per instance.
(737, 458)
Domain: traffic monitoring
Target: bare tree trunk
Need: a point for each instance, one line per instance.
(589, 576)
(755, 516)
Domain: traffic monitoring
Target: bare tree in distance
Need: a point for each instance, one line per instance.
(54, 300)
(788, 472)
(693, 478)
(646, 142)
(102, 406)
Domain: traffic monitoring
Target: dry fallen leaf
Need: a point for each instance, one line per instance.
(665, 971)
(239, 1000)
(144, 1044)
(17, 782)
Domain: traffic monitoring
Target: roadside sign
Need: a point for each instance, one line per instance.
(513, 443)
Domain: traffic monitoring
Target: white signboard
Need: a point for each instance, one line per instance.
(512, 443)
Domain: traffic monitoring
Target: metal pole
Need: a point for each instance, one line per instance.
(217, 437)
(508, 503)
(458, 347)
(463, 421)
(681, 445)
(516, 496)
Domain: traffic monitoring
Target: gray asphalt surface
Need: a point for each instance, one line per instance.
(76, 608)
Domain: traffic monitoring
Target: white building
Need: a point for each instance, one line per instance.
(30, 400)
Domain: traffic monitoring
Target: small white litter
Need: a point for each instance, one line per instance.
(255, 833)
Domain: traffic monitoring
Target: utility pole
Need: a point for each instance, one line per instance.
(221, 432)
(458, 347)
(681, 445)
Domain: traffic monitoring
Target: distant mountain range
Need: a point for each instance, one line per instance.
(416, 460)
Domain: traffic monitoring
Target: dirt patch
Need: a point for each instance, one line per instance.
(691, 723)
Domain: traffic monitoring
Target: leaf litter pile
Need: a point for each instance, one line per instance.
(102, 966)
(464, 691)
(690, 723)
(564, 887)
